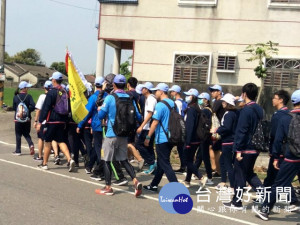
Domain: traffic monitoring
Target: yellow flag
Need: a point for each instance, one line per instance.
(77, 89)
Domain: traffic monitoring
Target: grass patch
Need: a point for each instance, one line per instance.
(9, 94)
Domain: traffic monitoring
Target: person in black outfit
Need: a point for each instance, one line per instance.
(23, 127)
(218, 110)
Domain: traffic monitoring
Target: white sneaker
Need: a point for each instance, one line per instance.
(72, 166)
(203, 182)
(194, 177)
(43, 167)
(186, 184)
(209, 182)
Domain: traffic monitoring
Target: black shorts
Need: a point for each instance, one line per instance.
(40, 134)
(56, 132)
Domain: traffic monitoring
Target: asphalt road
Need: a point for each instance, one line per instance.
(31, 196)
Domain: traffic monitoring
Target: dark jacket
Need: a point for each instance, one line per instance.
(281, 135)
(28, 102)
(47, 112)
(249, 117)
(274, 124)
(191, 124)
(228, 126)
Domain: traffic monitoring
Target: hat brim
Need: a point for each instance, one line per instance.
(186, 93)
(29, 85)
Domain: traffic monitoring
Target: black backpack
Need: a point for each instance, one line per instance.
(125, 120)
(176, 127)
(258, 138)
(203, 125)
(293, 139)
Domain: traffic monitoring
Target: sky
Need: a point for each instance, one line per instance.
(49, 26)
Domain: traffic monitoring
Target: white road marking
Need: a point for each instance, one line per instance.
(118, 189)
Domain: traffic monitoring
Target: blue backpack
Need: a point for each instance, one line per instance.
(184, 107)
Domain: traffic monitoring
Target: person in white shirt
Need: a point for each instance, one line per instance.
(147, 152)
(38, 107)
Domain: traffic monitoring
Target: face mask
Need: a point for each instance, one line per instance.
(188, 99)
(200, 101)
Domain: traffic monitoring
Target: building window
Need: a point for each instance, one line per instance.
(226, 63)
(119, 1)
(283, 73)
(284, 4)
(211, 3)
(191, 68)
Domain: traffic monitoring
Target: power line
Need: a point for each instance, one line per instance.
(75, 6)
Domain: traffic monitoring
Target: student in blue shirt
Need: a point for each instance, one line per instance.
(95, 154)
(163, 147)
(115, 148)
(280, 100)
(246, 155)
(227, 132)
(288, 168)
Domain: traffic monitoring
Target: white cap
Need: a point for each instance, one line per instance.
(229, 98)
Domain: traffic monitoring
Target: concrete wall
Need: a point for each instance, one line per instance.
(8, 73)
(161, 28)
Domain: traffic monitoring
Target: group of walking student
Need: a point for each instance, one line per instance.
(127, 120)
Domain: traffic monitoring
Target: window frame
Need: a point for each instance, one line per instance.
(194, 54)
(276, 5)
(212, 3)
(227, 54)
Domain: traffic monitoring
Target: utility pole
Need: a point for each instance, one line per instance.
(2, 50)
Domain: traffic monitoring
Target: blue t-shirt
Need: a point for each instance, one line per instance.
(162, 114)
(108, 109)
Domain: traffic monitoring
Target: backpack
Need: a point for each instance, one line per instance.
(176, 132)
(184, 107)
(258, 138)
(215, 123)
(62, 103)
(203, 126)
(22, 112)
(293, 139)
(125, 120)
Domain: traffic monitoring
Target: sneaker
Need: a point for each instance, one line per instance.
(150, 188)
(209, 182)
(151, 169)
(232, 206)
(31, 148)
(186, 184)
(16, 153)
(43, 167)
(293, 208)
(105, 191)
(37, 158)
(141, 164)
(121, 182)
(138, 188)
(88, 170)
(57, 160)
(96, 177)
(203, 181)
(194, 177)
(220, 187)
(262, 215)
(180, 170)
(72, 166)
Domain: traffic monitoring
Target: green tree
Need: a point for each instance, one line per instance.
(8, 58)
(124, 68)
(259, 52)
(29, 56)
(59, 66)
